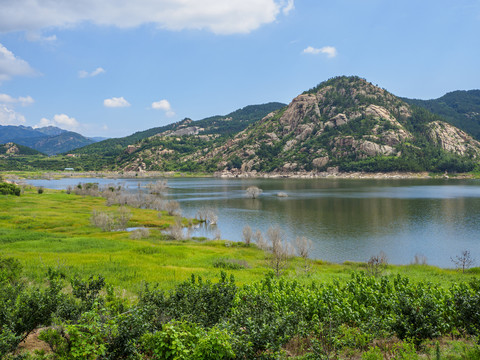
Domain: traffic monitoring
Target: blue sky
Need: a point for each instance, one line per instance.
(113, 67)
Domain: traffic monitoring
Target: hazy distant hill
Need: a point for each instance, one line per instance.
(345, 122)
(459, 108)
(50, 140)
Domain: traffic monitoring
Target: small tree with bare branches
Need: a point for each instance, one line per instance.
(247, 234)
(304, 246)
(463, 261)
(280, 250)
(260, 240)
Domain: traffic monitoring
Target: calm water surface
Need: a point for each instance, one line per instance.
(346, 219)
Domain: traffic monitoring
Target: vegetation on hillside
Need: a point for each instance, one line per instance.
(230, 123)
(459, 108)
(16, 149)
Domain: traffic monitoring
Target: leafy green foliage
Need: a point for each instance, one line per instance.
(206, 320)
(9, 189)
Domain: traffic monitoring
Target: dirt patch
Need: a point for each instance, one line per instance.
(32, 343)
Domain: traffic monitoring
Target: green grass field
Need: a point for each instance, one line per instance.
(53, 229)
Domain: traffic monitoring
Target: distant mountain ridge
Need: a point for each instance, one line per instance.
(460, 108)
(223, 125)
(49, 140)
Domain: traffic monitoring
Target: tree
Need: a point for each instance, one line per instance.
(247, 234)
(253, 192)
(281, 251)
(463, 261)
(304, 246)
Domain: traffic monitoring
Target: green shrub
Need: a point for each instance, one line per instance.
(374, 353)
(216, 344)
(230, 264)
(175, 341)
(9, 189)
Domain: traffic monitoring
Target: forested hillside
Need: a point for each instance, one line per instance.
(459, 108)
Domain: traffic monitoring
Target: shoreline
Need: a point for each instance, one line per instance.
(15, 175)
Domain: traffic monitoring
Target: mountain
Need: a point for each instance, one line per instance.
(11, 132)
(50, 130)
(345, 123)
(61, 143)
(12, 149)
(50, 140)
(459, 108)
(221, 125)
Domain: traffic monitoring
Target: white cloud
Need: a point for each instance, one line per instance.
(115, 102)
(165, 106)
(22, 100)
(217, 16)
(9, 116)
(36, 36)
(84, 74)
(11, 66)
(288, 7)
(330, 51)
(60, 120)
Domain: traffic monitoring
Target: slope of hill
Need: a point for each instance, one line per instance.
(345, 122)
(223, 125)
(50, 140)
(61, 143)
(12, 149)
(459, 108)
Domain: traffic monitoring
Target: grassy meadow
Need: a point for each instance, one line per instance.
(54, 229)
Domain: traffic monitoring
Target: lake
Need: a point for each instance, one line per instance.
(347, 219)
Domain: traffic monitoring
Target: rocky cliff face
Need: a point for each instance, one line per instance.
(453, 139)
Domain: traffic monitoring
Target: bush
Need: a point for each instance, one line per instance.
(230, 264)
(9, 189)
(176, 341)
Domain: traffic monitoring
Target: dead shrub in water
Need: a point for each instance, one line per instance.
(206, 214)
(253, 192)
(158, 188)
(176, 230)
(173, 208)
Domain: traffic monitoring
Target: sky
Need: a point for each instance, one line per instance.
(113, 67)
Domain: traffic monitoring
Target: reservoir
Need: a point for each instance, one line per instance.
(347, 219)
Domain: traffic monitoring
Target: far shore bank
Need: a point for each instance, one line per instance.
(13, 175)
